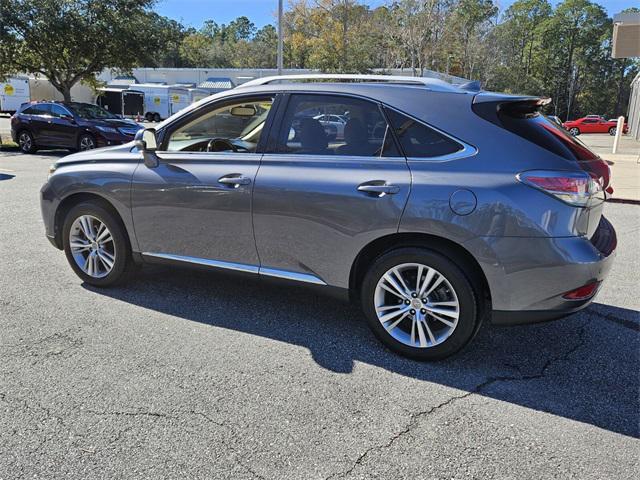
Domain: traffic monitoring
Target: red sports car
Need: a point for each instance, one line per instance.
(592, 124)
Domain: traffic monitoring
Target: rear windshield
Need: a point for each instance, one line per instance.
(544, 132)
(524, 119)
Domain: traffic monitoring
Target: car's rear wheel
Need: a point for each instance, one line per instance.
(148, 117)
(96, 245)
(574, 131)
(419, 303)
(86, 142)
(156, 117)
(26, 142)
(612, 131)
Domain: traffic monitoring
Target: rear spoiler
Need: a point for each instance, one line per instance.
(490, 106)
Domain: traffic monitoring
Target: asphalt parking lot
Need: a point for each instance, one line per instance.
(183, 374)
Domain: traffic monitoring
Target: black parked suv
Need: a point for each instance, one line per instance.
(72, 125)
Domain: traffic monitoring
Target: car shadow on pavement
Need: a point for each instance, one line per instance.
(584, 368)
(16, 152)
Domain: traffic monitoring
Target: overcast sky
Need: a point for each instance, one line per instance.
(261, 12)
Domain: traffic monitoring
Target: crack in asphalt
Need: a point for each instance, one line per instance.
(140, 413)
(414, 418)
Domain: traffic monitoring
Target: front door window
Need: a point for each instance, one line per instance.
(235, 128)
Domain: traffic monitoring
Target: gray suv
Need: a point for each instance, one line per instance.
(437, 208)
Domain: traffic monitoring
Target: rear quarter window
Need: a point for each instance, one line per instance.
(418, 140)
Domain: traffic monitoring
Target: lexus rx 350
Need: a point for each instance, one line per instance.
(438, 207)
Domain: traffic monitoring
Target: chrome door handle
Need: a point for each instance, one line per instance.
(378, 190)
(234, 180)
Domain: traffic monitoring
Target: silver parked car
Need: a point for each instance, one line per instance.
(438, 209)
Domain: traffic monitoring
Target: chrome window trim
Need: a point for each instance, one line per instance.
(307, 157)
(467, 149)
(240, 267)
(209, 155)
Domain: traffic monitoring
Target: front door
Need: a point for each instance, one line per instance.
(319, 199)
(196, 205)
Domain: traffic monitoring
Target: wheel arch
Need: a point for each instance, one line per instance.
(67, 203)
(452, 250)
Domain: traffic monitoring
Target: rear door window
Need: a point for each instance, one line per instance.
(312, 126)
(418, 140)
(39, 109)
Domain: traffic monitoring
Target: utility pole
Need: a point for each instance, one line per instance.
(280, 35)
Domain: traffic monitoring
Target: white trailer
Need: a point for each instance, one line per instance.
(14, 92)
(162, 101)
(197, 94)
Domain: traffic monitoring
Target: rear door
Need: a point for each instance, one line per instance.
(39, 118)
(317, 200)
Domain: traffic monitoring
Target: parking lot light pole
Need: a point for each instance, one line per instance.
(280, 35)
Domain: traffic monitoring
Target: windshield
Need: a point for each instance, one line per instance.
(89, 111)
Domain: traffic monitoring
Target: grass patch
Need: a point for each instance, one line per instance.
(8, 145)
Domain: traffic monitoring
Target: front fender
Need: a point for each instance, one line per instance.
(77, 181)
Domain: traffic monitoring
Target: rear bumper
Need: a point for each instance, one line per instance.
(528, 277)
(509, 317)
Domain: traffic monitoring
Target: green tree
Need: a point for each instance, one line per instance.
(72, 40)
(518, 38)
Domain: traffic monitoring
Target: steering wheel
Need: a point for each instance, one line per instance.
(220, 145)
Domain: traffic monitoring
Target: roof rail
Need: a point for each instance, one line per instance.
(431, 83)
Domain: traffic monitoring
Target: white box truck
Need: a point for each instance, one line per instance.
(162, 101)
(197, 94)
(14, 91)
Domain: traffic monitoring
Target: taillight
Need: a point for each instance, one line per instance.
(574, 188)
(582, 293)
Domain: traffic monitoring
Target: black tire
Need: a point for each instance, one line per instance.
(612, 131)
(469, 312)
(156, 117)
(26, 142)
(86, 141)
(148, 117)
(123, 265)
(575, 131)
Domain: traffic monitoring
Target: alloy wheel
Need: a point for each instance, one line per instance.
(92, 246)
(416, 305)
(87, 143)
(25, 142)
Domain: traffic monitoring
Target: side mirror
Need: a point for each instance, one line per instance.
(146, 142)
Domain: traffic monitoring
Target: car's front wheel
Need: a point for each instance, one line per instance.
(419, 303)
(96, 245)
(574, 131)
(612, 131)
